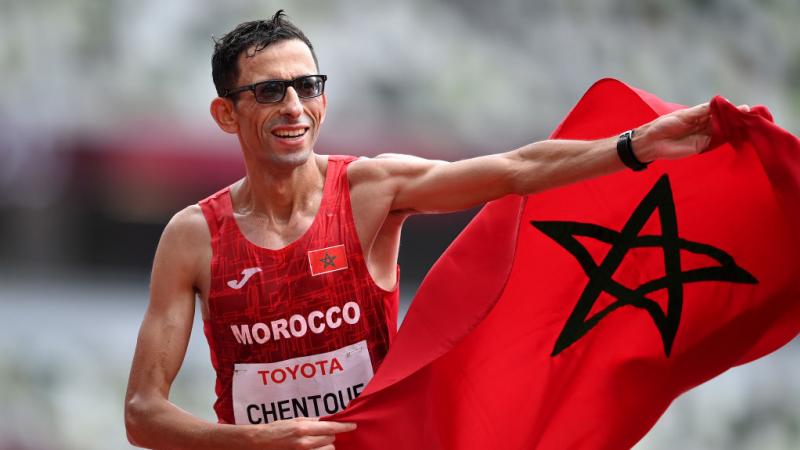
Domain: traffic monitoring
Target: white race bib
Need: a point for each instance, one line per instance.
(309, 386)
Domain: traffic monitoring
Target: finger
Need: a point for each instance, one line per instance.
(702, 143)
(327, 447)
(316, 441)
(744, 108)
(695, 114)
(700, 109)
(698, 124)
(703, 125)
(319, 427)
(702, 120)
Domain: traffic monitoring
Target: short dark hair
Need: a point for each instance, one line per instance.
(257, 34)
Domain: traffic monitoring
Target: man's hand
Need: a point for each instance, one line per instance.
(299, 434)
(681, 133)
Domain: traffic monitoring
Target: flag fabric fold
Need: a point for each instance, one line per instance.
(572, 318)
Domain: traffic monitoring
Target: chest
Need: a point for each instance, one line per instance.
(272, 234)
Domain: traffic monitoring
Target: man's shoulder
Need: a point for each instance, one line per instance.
(191, 215)
(187, 228)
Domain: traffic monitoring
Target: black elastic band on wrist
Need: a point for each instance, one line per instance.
(625, 152)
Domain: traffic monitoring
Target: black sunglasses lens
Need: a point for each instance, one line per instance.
(310, 86)
(270, 91)
(273, 91)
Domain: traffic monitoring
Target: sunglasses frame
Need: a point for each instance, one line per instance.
(285, 83)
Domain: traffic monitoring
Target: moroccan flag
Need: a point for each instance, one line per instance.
(570, 319)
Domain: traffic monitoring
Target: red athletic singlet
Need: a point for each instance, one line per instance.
(296, 331)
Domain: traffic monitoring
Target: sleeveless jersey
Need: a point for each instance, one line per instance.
(297, 331)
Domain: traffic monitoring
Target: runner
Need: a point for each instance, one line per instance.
(295, 265)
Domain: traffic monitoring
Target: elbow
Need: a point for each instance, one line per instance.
(522, 183)
(518, 186)
(523, 175)
(135, 413)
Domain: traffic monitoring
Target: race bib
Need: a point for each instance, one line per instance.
(309, 386)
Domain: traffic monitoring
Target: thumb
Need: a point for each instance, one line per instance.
(703, 142)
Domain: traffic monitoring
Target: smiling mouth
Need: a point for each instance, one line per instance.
(289, 134)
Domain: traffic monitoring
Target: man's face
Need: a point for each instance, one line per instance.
(284, 132)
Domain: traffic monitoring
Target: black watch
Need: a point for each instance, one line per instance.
(625, 152)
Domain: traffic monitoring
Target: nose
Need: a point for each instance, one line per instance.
(290, 105)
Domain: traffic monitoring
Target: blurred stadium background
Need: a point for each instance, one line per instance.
(105, 133)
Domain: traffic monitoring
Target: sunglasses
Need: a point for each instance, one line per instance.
(273, 91)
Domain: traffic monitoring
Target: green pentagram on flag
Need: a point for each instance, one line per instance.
(600, 276)
(328, 260)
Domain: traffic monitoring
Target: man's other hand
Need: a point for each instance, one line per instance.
(675, 135)
(298, 434)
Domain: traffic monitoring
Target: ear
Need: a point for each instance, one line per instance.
(224, 114)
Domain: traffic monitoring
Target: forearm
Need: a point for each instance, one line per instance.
(159, 424)
(548, 164)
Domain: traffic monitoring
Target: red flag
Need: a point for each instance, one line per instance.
(572, 318)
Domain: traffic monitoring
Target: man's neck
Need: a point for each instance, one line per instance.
(277, 194)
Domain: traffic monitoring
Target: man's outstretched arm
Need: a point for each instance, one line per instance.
(419, 185)
(151, 420)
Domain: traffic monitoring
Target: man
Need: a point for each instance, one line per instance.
(295, 265)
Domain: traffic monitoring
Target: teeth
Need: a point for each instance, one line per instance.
(289, 133)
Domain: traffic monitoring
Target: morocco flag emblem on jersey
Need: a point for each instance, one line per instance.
(570, 319)
(328, 259)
